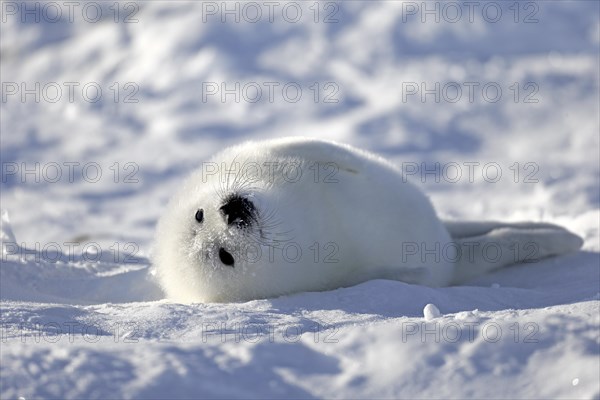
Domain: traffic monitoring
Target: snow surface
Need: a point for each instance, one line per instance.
(78, 323)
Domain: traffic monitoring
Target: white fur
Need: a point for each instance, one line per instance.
(364, 219)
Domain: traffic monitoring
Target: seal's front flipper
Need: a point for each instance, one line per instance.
(484, 246)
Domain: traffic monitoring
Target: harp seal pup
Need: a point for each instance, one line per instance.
(270, 218)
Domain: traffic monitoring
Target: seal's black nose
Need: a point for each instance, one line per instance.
(239, 210)
(225, 257)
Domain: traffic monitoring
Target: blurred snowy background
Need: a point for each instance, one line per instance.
(143, 92)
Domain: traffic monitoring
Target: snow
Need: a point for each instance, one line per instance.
(81, 315)
(431, 312)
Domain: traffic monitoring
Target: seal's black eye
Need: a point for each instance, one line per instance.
(239, 210)
(200, 215)
(226, 257)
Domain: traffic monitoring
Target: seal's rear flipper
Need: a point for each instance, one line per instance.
(484, 246)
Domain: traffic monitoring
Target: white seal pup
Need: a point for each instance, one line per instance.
(270, 218)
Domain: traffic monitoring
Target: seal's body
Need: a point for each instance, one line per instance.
(277, 217)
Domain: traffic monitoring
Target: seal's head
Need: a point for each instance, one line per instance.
(213, 241)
